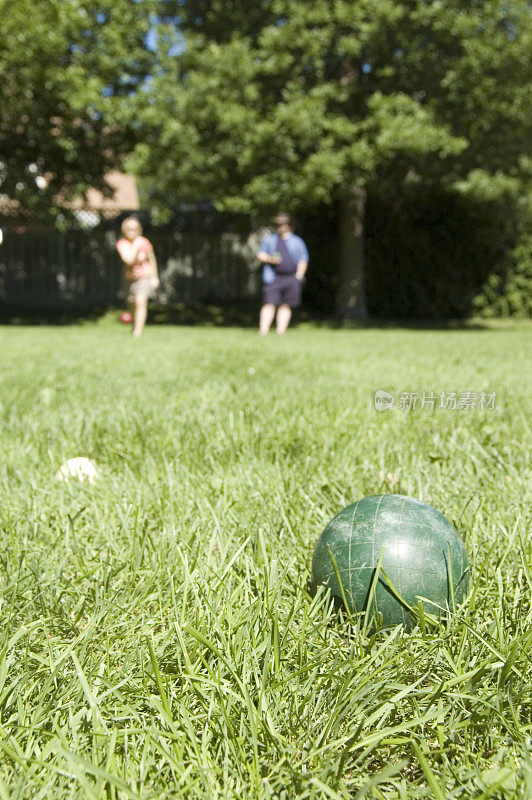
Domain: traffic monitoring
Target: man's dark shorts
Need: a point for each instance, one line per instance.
(284, 290)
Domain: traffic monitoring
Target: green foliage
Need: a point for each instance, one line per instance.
(67, 69)
(158, 640)
(508, 290)
(436, 255)
(431, 254)
(218, 20)
(291, 104)
(287, 104)
(510, 293)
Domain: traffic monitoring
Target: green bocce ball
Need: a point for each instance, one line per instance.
(423, 558)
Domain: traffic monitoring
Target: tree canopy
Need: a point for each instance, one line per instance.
(68, 69)
(266, 103)
(281, 103)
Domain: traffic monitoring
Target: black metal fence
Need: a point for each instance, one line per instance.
(203, 256)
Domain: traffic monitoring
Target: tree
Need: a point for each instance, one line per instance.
(68, 69)
(282, 103)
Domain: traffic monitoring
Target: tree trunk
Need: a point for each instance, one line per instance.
(350, 299)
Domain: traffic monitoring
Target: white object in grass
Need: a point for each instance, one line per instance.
(80, 468)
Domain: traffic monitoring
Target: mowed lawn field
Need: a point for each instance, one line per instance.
(158, 639)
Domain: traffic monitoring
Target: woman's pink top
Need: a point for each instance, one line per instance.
(142, 268)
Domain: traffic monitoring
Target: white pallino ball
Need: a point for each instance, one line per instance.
(80, 468)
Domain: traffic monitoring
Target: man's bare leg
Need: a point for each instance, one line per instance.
(284, 314)
(267, 314)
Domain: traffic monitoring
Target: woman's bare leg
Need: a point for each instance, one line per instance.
(140, 314)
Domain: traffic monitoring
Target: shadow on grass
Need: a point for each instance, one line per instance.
(240, 315)
(37, 316)
(375, 323)
(246, 315)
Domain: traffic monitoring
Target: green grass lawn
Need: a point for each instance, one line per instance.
(158, 638)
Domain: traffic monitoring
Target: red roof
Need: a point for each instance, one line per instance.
(125, 198)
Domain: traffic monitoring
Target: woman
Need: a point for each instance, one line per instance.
(140, 270)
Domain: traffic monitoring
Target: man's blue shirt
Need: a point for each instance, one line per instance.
(295, 244)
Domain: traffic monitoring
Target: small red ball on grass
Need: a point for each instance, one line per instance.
(126, 317)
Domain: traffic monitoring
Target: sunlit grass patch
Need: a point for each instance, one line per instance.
(159, 639)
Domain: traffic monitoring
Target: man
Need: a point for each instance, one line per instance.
(285, 259)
